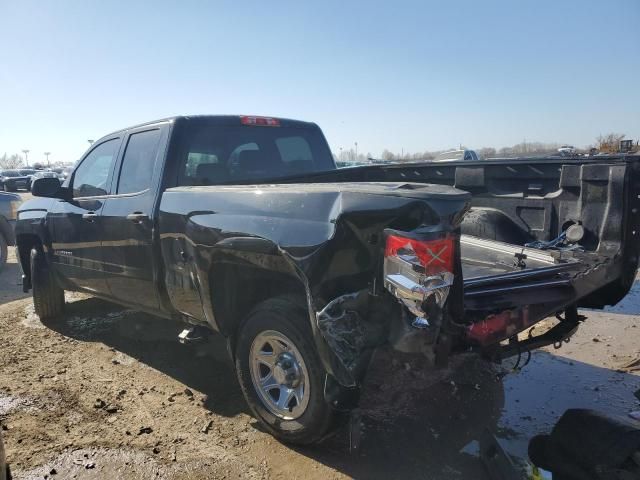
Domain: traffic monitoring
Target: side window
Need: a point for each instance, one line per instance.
(138, 162)
(294, 149)
(90, 178)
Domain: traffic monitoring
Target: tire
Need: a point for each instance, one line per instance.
(4, 251)
(492, 224)
(309, 418)
(48, 297)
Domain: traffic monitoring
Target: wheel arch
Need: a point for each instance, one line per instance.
(25, 242)
(235, 290)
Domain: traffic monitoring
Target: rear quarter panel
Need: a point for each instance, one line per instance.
(323, 243)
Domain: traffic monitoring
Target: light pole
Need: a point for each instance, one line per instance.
(90, 142)
(26, 156)
(356, 151)
(46, 154)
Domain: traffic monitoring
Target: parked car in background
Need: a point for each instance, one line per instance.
(9, 203)
(567, 150)
(457, 155)
(61, 173)
(28, 172)
(12, 180)
(45, 174)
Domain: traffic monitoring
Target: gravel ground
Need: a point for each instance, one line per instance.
(110, 393)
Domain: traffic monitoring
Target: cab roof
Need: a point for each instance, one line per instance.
(228, 120)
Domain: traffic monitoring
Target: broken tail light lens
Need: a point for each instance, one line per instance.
(419, 273)
(434, 256)
(259, 121)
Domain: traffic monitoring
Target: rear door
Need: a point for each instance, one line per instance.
(129, 219)
(76, 225)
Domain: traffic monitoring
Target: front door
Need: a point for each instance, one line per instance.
(128, 218)
(76, 225)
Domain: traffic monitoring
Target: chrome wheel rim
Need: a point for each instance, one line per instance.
(279, 375)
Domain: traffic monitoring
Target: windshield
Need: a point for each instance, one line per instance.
(27, 172)
(454, 155)
(10, 173)
(213, 154)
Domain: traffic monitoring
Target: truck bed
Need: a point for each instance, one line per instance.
(494, 271)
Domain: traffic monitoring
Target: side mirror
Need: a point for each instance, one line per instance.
(46, 187)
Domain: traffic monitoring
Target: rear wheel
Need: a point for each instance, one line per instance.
(4, 251)
(48, 297)
(281, 375)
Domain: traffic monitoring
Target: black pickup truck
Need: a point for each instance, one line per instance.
(242, 225)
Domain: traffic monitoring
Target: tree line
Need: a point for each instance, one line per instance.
(608, 143)
(11, 161)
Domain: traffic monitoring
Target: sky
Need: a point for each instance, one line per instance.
(397, 75)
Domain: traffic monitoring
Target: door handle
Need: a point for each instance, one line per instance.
(89, 216)
(137, 217)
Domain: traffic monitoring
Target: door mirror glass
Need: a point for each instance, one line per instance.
(46, 187)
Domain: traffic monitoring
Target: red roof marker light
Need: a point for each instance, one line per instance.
(259, 121)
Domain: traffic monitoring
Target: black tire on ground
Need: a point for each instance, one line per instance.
(4, 251)
(48, 297)
(291, 320)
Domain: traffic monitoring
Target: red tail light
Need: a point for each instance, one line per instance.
(259, 121)
(435, 256)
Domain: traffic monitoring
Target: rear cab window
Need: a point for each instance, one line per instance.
(212, 152)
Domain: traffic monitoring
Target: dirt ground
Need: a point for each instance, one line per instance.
(110, 393)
